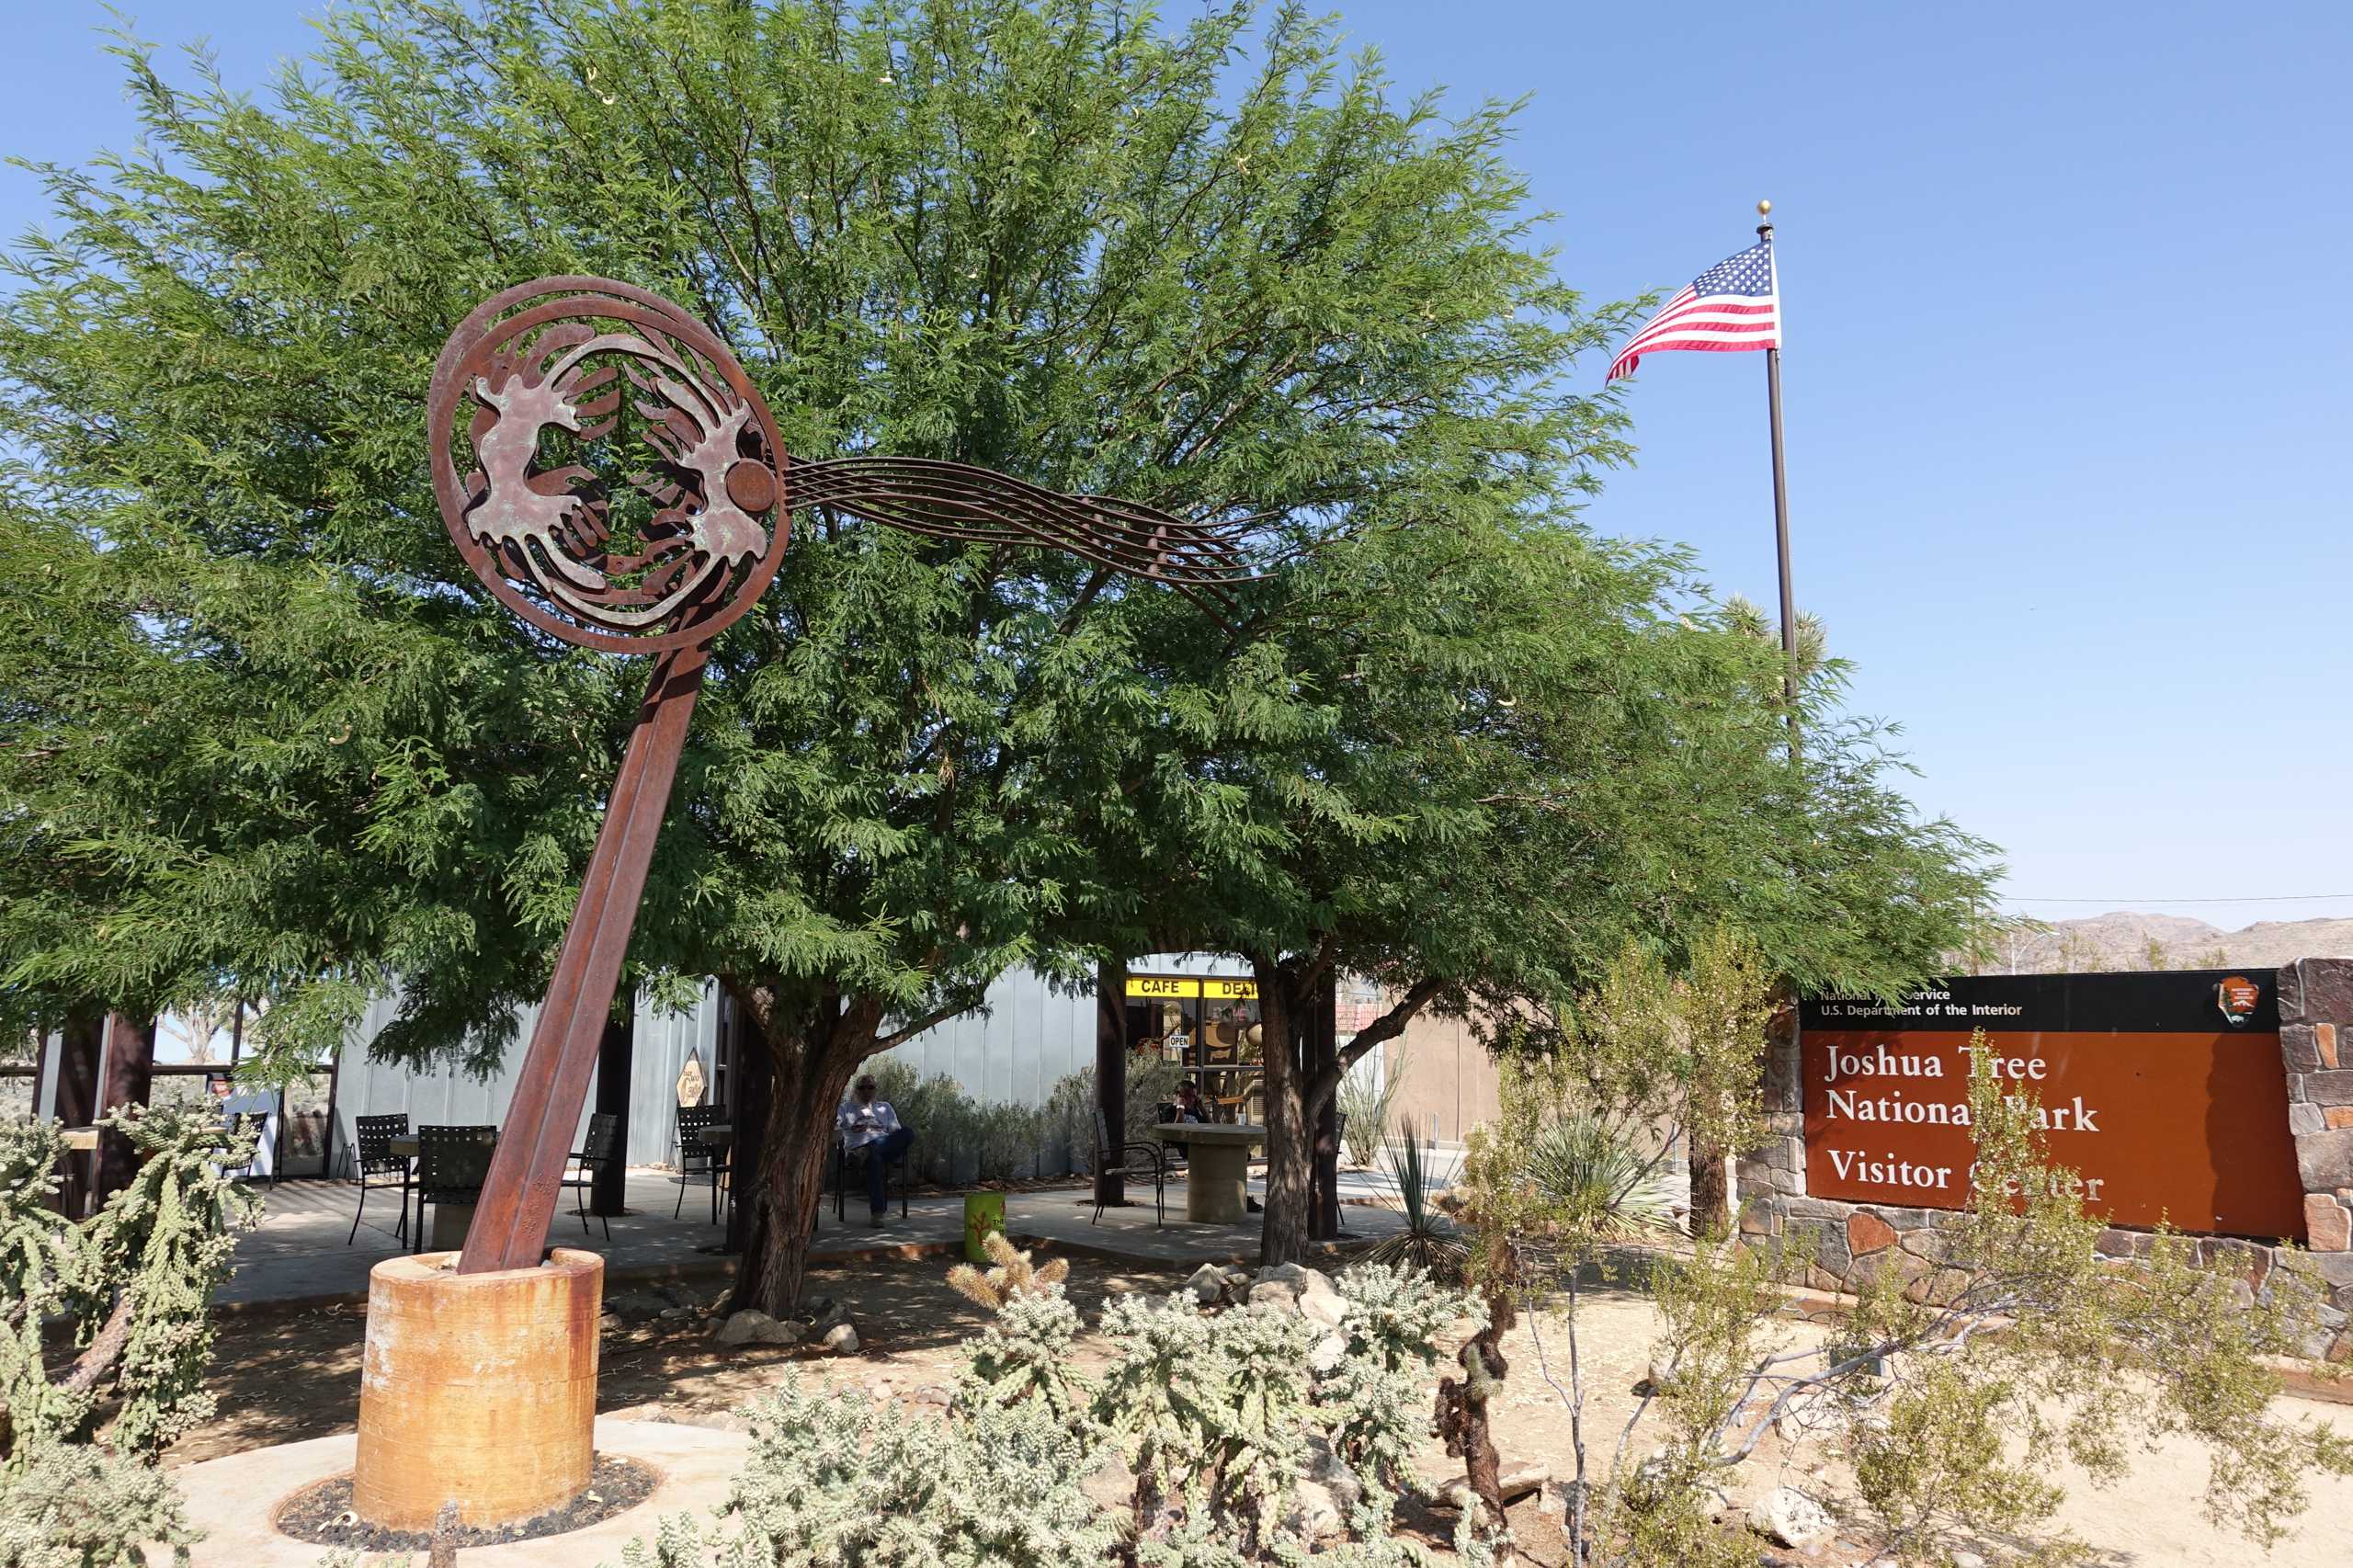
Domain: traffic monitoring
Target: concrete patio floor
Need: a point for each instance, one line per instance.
(298, 1252)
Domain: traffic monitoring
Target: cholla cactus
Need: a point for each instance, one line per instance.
(1374, 1401)
(1398, 1316)
(1013, 1276)
(1213, 1413)
(1029, 1353)
(135, 1279)
(134, 1282)
(841, 1480)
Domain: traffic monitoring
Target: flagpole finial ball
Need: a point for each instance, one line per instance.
(1764, 210)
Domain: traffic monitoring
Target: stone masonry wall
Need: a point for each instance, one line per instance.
(1833, 1245)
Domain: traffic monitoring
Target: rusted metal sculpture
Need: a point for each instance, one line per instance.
(561, 384)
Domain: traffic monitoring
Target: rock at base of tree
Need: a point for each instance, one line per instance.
(750, 1328)
(1321, 1302)
(1790, 1517)
(1208, 1285)
(840, 1340)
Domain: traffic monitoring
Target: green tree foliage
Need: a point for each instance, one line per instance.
(273, 740)
(1472, 759)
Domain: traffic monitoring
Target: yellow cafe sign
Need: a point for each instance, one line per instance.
(1216, 988)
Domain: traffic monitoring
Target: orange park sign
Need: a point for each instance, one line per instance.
(2162, 1093)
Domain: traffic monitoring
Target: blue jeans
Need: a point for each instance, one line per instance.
(879, 1155)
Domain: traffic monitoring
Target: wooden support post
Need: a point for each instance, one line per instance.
(1111, 1073)
(616, 1055)
(751, 1079)
(130, 1061)
(81, 1048)
(1323, 1033)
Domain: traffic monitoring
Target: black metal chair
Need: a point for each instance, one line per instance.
(904, 1162)
(245, 1133)
(376, 1159)
(451, 1164)
(696, 1158)
(1123, 1154)
(596, 1154)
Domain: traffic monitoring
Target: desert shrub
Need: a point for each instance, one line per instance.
(1070, 1110)
(1012, 1140)
(1070, 1117)
(956, 1134)
(1958, 1384)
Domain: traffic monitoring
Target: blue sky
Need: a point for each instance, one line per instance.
(2067, 375)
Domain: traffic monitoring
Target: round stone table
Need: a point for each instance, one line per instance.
(1217, 1161)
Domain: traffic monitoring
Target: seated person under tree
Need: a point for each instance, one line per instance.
(870, 1131)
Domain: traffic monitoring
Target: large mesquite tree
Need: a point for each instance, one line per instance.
(268, 736)
(1471, 758)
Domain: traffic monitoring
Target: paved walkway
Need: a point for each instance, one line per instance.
(299, 1252)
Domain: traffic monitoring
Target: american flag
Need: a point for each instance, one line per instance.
(1733, 305)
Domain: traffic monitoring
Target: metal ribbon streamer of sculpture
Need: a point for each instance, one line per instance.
(567, 380)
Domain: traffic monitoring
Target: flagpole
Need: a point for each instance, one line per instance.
(1780, 494)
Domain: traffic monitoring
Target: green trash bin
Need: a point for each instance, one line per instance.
(984, 1216)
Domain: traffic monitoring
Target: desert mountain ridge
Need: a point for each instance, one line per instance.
(2127, 940)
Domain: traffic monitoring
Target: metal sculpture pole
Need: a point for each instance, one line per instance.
(568, 380)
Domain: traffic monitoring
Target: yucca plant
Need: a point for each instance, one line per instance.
(1430, 1240)
(1366, 1106)
(1600, 1172)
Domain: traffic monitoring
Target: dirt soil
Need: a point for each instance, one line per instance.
(322, 1514)
(286, 1376)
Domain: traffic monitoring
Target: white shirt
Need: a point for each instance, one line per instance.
(864, 1124)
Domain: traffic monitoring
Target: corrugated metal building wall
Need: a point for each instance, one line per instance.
(1028, 1037)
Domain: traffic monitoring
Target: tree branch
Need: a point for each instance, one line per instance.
(939, 1015)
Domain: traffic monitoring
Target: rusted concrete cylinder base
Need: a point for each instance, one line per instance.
(477, 1389)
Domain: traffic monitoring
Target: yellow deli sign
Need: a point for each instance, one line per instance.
(1215, 988)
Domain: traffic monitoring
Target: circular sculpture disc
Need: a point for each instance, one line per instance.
(605, 466)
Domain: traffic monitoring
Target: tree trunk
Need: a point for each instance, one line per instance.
(1320, 1047)
(805, 1089)
(1111, 1080)
(1282, 1236)
(1710, 1192)
(1465, 1418)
